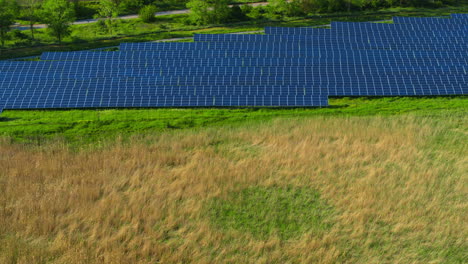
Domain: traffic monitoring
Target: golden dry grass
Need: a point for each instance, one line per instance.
(398, 186)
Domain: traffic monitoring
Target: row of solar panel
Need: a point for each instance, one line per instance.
(357, 26)
(308, 47)
(274, 46)
(428, 20)
(160, 101)
(351, 89)
(339, 41)
(175, 79)
(330, 70)
(432, 82)
(219, 52)
(364, 32)
(231, 54)
(459, 16)
(315, 51)
(79, 66)
(335, 37)
(227, 55)
(260, 62)
(304, 76)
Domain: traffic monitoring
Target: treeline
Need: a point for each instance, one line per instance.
(218, 11)
(58, 15)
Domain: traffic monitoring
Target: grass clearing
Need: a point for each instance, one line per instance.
(92, 126)
(284, 212)
(396, 184)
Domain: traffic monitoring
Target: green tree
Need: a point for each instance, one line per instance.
(278, 8)
(58, 14)
(32, 12)
(312, 6)
(8, 12)
(199, 12)
(283, 8)
(131, 5)
(336, 5)
(146, 14)
(109, 9)
(220, 11)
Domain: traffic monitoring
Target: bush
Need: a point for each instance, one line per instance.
(130, 6)
(237, 14)
(147, 13)
(18, 35)
(254, 13)
(86, 10)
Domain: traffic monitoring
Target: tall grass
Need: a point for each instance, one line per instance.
(397, 186)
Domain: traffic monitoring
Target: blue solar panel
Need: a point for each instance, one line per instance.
(459, 16)
(314, 56)
(359, 26)
(163, 101)
(362, 32)
(310, 70)
(334, 39)
(288, 67)
(427, 20)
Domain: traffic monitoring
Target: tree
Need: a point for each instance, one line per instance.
(109, 9)
(146, 14)
(58, 14)
(31, 12)
(8, 12)
(131, 5)
(309, 6)
(220, 11)
(199, 12)
(336, 5)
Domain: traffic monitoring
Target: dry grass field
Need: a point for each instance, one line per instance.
(367, 189)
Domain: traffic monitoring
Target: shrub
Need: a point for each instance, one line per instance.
(147, 13)
(237, 14)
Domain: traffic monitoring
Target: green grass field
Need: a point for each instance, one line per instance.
(364, 181)
(97, 125)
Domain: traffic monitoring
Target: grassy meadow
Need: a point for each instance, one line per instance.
(98, 126)
(365, 181)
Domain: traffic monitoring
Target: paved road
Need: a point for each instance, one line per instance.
(87, 21)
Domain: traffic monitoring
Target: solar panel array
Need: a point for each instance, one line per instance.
(286, 67)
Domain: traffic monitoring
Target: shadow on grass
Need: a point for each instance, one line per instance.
(7, 119)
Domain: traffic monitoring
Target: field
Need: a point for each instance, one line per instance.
(365, 181)
(78, 127)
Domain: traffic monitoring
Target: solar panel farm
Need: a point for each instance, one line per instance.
(340, 144)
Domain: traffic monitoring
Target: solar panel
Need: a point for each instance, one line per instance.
(309, 70)
(330, 39)
(288, 67)
(240, 85)
(459, 16)
(359, 26)
(163, 101)
(313, 56)
(427, 20)
(362, 32)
